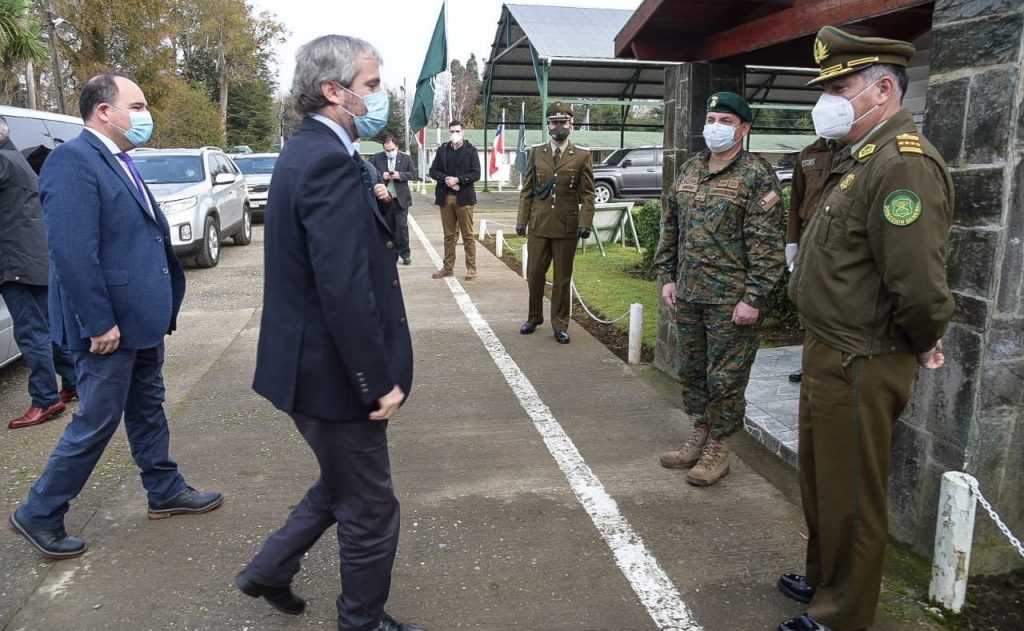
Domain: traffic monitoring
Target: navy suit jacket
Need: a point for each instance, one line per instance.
(111, 260)
(403, 166)
(333, 335)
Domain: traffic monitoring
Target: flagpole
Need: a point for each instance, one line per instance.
(451, 77)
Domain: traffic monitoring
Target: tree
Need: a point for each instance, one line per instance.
(252, 118)
(20, 43)
(185, 117)
(465, 85)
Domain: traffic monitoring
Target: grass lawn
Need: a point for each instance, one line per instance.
(607, 285)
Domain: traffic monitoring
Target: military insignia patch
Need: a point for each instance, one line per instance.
(909, 143)
(866, 151)
(770, 200)
(808, 162)
(821, 51)
(714, 101)
(847, 181)
(902, 207)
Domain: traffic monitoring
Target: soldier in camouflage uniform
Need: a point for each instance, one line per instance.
(870, 283)
(719, 256)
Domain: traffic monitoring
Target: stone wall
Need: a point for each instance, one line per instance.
(968, 416)
(687, 90)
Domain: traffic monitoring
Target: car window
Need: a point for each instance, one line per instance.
(223, 164)
(256, 166)
(169, 169)
(28, 134)
(211, 164)
(63, 132)
(642, 157)
(616, 157)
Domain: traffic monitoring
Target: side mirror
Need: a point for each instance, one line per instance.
(223, 178)
(626, 163)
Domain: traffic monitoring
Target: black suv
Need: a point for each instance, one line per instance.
(628, 173)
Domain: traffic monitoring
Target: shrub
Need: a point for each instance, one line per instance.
(648, 228)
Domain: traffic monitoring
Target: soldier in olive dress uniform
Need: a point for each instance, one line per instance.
(719, 256)
(870, 283)
(556, 207)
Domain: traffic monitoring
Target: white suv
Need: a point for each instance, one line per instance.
(258, 168)
(202, 193)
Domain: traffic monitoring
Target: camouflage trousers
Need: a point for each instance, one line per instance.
(715, 357)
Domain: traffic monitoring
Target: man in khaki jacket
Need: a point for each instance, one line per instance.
(557, 207)
(870, 283)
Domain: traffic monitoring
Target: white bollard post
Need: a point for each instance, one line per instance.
(954, 531)
(499, 242)
(636, 330)
(483, 229)
(526, 255)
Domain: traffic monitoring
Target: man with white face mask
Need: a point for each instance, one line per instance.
(719, 256)
(870, 283)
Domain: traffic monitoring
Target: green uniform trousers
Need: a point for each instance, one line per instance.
(541, 251)
(456, 219)
(715, 357)
(848, 406)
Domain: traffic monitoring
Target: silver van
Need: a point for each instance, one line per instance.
(35, 134)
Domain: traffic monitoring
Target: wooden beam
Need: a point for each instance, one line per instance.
(802, 19)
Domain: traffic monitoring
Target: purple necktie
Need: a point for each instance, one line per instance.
(127, 159)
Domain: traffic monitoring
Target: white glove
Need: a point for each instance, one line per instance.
(791, 250)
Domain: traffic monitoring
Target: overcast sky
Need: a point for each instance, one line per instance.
(400, 29)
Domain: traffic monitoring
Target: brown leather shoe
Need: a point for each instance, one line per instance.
(35, 416)
(471, 274)
(444, 272)
(67, 395)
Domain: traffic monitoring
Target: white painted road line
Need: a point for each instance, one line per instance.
(650, 582)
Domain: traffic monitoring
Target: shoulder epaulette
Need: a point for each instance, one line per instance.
(909, 143)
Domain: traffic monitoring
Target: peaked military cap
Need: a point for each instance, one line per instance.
(559, 111)
(839, 53)
(732, 103)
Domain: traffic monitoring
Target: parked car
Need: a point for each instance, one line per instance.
(35, 134)
(628, 173)
(257, 167)
(202, 193)
(238, 149)
(784, 169)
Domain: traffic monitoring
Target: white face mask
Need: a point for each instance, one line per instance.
(834, 116)
(719, 137)
(456, 137)
(391, 154)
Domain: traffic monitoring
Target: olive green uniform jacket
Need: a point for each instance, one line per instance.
(813, 164)
(721, 235)
(556, 212)
(870, 276)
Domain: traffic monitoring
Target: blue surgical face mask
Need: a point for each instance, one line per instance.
(719, 137)
(139, 132)
(373, 121)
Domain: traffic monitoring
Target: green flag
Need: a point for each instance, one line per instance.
(435, 63)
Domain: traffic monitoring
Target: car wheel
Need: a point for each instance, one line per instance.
(603, 193)
(244, 234)
(209, 253)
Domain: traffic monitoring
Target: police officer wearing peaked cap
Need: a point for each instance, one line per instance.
(556, 206)
(870, 283)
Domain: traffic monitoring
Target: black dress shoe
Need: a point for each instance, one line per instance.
(528, 327)
(54, 543)
(189, 501)
(795, 586)
(803, 622)
(388, 623)
(797, 377)
(562, 337)
(406, 260)
(281, 598)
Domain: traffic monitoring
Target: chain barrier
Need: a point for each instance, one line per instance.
(572, 285)
(1014, 541)
(487, 226)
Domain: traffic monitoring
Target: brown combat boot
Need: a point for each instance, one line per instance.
(687, 455)
(471, 274)
(713, 464)
(444, 272)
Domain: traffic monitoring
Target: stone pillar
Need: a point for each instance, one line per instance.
(687, 90)
(970, 414)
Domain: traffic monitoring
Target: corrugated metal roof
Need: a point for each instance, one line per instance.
(571, 31)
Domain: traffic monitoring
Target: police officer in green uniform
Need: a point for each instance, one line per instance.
(813, 165)
(719, 256)
(870, 284)
(556, 207)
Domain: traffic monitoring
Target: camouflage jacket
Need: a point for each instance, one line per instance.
(721, 235)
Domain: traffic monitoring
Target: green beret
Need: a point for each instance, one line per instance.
(732, 103)
(839, 53)
(559, 111)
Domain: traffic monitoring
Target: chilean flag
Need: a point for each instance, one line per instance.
(498, 148)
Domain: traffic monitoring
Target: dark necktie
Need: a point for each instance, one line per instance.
(127, 159)
(558, 155)
(364, 172)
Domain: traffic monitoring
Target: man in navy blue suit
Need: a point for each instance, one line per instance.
(334, 347)
(115, 291)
